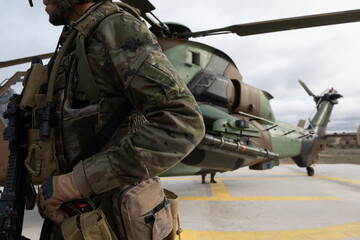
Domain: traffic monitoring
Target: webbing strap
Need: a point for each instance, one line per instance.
(87, 80)
(85, 27)
(50, 90)
(151, 218)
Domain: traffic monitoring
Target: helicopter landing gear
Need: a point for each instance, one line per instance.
(310, 171)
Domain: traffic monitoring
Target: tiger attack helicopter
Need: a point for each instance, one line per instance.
(241, 129)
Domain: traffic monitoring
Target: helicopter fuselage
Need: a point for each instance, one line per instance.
(241, 129)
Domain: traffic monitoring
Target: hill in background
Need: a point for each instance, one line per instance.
(340, 148)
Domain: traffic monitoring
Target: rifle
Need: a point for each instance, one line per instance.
(18, 190)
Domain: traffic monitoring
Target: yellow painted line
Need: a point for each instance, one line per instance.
(220, 193)
(180, 179)
(300, 174)
(276, 173)
(339, 179)
(345, 231)
(285, 198)
(233, 179)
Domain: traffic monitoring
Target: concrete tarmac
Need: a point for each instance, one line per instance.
(278, 204)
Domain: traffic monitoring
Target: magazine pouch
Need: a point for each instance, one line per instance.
(97, 224)
(41, 161)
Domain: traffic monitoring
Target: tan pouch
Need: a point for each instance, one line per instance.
(142, 211)
(173, 200)
(90, 225)
(41, 161)
(35, 76)
(95, 226)
(70, 228)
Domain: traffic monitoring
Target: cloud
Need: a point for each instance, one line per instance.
(323, 57)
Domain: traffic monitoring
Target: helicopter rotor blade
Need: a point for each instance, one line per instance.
(306, 88)
(283, 24)
(143, 5)
(23, 60)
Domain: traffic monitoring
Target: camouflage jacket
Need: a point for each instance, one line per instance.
(126, 62)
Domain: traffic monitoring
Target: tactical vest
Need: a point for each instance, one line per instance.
(76, 126)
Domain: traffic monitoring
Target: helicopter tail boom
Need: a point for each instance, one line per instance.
(314, 138)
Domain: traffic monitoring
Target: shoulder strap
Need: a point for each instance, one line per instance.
(91, 19)
(85, 27)
(60, 56)
(87, 80)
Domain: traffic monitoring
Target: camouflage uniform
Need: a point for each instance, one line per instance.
(126, 62)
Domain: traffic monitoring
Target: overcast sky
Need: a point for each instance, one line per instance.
(322, 57)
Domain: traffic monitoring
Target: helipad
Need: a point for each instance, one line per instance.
(278, 204)
(282, 203)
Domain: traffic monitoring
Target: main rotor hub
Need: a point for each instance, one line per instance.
(173, 28)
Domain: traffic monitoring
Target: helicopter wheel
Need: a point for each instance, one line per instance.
(310, 171)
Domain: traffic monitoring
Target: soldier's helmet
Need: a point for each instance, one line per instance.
(72, 2)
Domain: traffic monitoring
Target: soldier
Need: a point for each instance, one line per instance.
(126, 62)
(212, 178)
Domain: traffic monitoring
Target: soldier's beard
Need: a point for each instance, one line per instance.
(60, 15)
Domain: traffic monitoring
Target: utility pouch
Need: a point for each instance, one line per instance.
(41, 161)
(142, 211)
(90, 225)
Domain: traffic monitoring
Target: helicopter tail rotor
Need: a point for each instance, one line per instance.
(314, 138)
(330, 94)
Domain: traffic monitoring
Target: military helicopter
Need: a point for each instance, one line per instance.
(241, 129)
